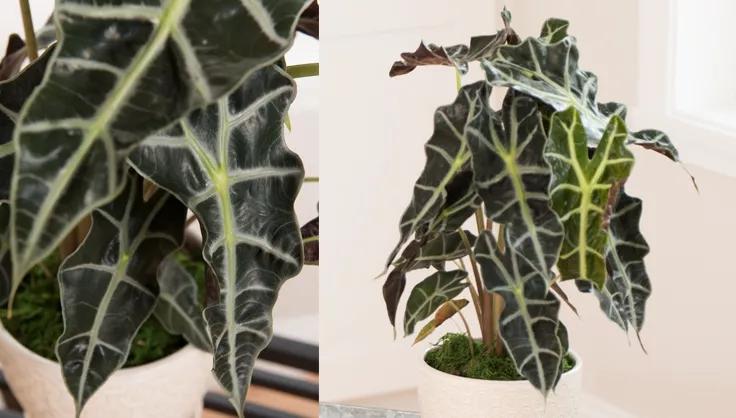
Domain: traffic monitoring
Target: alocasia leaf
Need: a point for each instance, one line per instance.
(310, 237)
(530, 329)
(550, 73)
(108, 286)
(512, 177)
(580, 190)
(392, 290)
(554, 30)
(430, 294)
(178, 308)
(309, 20)
(625, 293)
(241, 181)
(458, 56)
(447, 156)
(13, 94)
(445, 312)
(123, 70)
(461, 202)
(17, 52)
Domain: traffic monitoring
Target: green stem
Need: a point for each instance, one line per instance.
(303, 70)
(458, 79)
(310, 239)
(467, 327)
(311, 179)
(31, 45)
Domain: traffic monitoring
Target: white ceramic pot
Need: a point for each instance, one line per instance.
(173, 387)
(442, 395)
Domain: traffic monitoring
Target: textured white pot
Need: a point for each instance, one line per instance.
(173, 387)
(442, 395)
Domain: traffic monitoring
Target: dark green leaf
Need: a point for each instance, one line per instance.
(13, 94)
(123, 70)
(512, 177)
(241, 183)
(554, 30)
(458, 56)
(430, 294)
(580, 191)
(550, 73)
(626, 291)
(108, 286)
(393, 288)
(447, 156)
(177, 307)
(461, 202)
(530, 329)
(5, 267)
(446, 246)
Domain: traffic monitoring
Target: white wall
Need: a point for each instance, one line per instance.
(372, 131)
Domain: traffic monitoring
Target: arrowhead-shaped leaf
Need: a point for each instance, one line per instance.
(554, 30)
(430, 294)
(241, 183)
(626, 291)
(550, 73)
(108, 286)
(178, 308)
(458, 56)
(512, 177)
(447, 156)
(13, 94)
(123, 70)
(530, 329)
(580, 190)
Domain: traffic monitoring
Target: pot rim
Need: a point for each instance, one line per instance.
(5, 335)
(429, 369)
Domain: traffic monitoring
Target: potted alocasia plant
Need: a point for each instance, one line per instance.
(543, 177)
(136, 113)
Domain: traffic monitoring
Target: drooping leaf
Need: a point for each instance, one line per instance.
(446, 246)
(445, 312)
(177, 307)
(123, 70)
(580, 191)
(310, 237)
(309, 20)
(108, 286)
(458, 56)
(447, 156)
(13, 94)
(430, 294)
(530, 328)
(241, 183)
(512, 177)
(624, 296)
(554, 30)
(550, 73)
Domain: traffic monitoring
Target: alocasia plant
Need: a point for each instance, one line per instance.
(136, 113)
(544, 178)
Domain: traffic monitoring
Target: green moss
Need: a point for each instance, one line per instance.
(37, 322)
(453, 355)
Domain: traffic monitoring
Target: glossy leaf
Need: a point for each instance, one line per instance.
(13, 94)
(310, 237)
(512, 177)
(627, 289)
(458, 56)
(241, 183)
(447, 156)
(430, 294)
(554, 30)
(461, 202)
(530, 328)
(445, 312)
(178, 308)
(123, 70)
(550, 73)
(444, 247)
(108, 286)
(580, 191)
